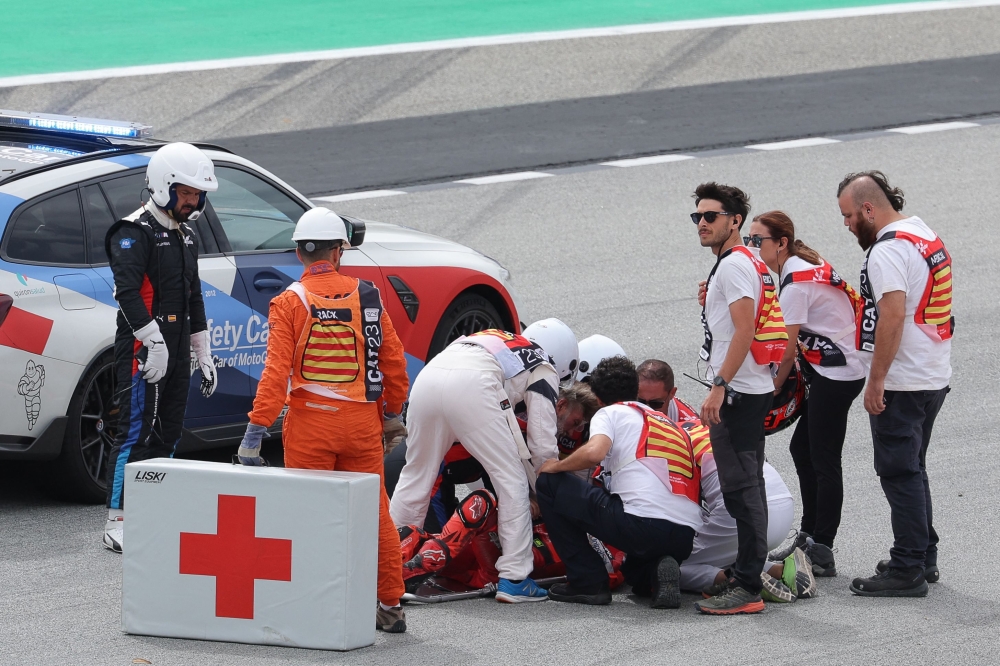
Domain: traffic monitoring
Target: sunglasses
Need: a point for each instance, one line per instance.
(755, 241)
(654, 404)
(708, 215)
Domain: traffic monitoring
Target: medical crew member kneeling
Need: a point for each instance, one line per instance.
(648, 506)
(161, 317)
(468, 394)
(333, 345)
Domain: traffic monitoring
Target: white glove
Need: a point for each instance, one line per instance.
(202, 348)
(155, 364)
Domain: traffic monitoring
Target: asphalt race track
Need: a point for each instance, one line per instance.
(612, 251)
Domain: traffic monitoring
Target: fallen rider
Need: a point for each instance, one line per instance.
(463, 556)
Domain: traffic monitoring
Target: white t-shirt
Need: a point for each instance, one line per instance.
(823, 310)
(735, 278)
(921, 364)
(641, 492)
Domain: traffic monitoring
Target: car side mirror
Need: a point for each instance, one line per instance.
(355, 231)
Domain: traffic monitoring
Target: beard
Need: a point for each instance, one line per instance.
(866, 235)
(183, 213)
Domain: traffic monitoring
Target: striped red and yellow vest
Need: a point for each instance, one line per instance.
(338, 348)
(933, 315)
(770, 337)
(666, 450)
(815, 348)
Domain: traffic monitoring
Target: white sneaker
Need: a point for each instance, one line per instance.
(114, 535)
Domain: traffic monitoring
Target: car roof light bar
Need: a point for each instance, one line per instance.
(75, 124)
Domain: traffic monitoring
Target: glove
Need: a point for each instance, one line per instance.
(154, 365)
(202, 348)
(392, 428)
(249, 452)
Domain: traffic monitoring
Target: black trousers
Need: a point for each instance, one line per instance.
(572, 509)
(738, 447)
(816, 448)
(150, 416)
(901, 435)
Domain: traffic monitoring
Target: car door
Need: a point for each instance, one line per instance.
(226, 306)
(257, 217)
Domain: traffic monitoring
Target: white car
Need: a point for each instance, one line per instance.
(64, 181)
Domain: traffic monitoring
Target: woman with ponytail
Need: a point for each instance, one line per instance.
(820, 309)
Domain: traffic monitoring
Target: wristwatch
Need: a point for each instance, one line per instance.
(719, 381)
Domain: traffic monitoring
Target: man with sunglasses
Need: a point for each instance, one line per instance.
(656, 389)
(743, 335)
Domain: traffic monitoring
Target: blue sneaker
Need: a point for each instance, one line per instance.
(515, 593)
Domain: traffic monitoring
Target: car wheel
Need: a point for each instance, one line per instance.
(467, 314)
(90, 432)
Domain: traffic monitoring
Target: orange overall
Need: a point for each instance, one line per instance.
(321, 432)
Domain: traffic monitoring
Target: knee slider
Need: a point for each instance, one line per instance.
(476, 508)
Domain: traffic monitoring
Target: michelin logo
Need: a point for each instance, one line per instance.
(30, 386)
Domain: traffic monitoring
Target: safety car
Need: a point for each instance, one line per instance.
(65, 180)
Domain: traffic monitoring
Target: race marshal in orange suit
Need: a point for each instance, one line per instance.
(334, 358)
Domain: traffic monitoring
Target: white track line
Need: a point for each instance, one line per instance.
(351, 196)
(932, 127)
(495, 40)
(504, 178)
(643, 161)
(795, 143)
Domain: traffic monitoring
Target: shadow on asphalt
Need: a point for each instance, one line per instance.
(23, 483)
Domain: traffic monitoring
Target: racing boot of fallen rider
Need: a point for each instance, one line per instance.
(438, 551)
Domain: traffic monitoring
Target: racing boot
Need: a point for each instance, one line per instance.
(114, 534)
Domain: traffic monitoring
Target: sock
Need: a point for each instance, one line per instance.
(385, 608)
(116, 514)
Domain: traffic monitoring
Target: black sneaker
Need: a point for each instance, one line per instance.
(599, 596)
(821, 558)
(931, 573)
(892, 583)
(798, 541)
(666, 585)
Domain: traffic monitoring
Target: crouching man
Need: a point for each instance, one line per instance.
(648, 506)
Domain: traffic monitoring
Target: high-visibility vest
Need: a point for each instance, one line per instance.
(514, 353)
(665, 449)
(338, 348)
(815, 348)
(933, 315)
(701, 443)
(770, 337)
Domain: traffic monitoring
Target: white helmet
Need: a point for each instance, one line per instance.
(179, 164)
(320, 224)
(595, 349)
(559, 343)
